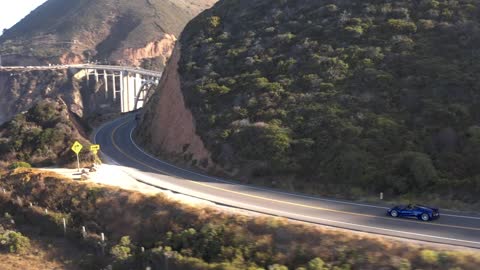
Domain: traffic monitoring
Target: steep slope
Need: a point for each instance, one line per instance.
(21, 90)
(114, 30)
(42, 136)
(140, 33)
(168, 127)
(339, 96)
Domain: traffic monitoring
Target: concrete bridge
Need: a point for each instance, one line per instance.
(132, 86)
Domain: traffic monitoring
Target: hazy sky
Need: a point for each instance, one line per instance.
(12, 11)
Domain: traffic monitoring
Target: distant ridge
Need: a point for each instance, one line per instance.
(72, 31)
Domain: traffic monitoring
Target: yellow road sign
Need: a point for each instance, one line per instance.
(77, 147)
(94, 147)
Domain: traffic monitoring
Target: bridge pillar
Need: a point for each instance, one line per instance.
(132, 89)
(96, 75)
(105, 77)
(114, 84)
(138, 88)
(122, 87)
(127, 94)
(124, 94)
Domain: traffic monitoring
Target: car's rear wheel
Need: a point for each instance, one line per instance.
(394, 213)
(425, 217)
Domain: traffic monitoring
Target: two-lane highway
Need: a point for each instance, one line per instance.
(119, 146)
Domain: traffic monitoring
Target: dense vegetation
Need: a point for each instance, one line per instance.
(200, 238)
(41, 136)
(21, 90)
(372, 95)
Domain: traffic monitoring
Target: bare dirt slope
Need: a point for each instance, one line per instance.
(168, 126)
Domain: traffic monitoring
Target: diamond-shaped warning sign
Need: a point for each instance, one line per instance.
(77, 147)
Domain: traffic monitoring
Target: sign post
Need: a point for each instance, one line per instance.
(94, 148)
(77, 147)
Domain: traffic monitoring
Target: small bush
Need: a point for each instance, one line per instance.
(19, 164)
(15, 242)
(429, 256)
(316, 264)
(123, 250)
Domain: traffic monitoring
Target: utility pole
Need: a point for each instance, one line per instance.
(0, 60)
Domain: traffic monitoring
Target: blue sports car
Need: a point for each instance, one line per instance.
(417, 211)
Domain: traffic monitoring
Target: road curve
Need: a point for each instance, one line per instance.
(117, 144)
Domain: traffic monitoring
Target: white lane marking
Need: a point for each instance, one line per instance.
(273, 191)
(467, 217)
(252, 187)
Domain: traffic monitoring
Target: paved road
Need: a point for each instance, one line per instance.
(84, 66)
(117, 144)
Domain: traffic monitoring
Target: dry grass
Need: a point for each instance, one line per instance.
(147, 219)
(45, 253)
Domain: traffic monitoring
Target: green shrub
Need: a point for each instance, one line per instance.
(123, 250)
(19, 164)
(429, 256)
(277, 267)
(404, 264)
(316, 264)
(214, 21)
(15, 242)
(402, 26)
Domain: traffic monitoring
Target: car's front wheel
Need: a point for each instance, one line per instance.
(425, 217)
(394, 213)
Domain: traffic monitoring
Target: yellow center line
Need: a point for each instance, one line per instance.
(276, 200)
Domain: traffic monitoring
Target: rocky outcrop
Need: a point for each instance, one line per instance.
(133, 56)
(71, 58)
(21, 90)
(168, 127)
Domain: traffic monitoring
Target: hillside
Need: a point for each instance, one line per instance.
(341, 97)
(177, 236)
(109, 30)
(42, 136)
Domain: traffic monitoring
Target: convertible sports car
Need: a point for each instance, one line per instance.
(421, 212)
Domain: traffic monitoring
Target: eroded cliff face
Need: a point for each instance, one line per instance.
(162, 48)
(21, 90)
(167, 127)
(119, 31)
(71, 59)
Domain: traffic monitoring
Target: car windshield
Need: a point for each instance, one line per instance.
(411, 206)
